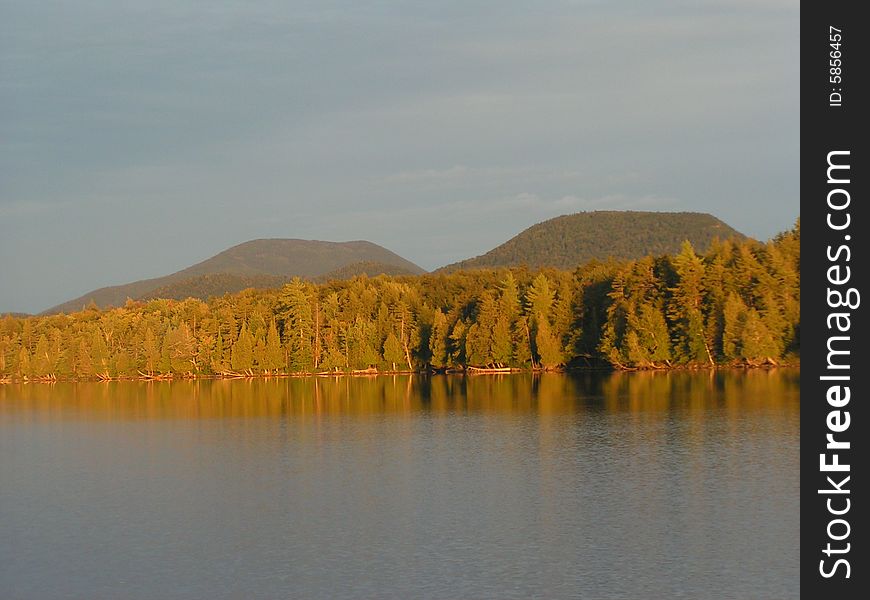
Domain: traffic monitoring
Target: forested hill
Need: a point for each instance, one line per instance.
(736, 304)
(570, 240)
(218, 284)
(258, 263)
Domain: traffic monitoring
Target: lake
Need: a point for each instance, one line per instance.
(647, 485)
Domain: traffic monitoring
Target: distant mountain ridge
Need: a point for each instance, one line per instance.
(563, 242)
(570, 240)
(257, 263)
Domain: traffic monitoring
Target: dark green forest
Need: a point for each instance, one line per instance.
(738, 303)
(570, 240)
(258, 263)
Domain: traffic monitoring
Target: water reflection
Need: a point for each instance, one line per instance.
(656, 485)
(645, 392)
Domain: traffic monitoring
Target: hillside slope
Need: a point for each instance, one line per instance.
(258, 263)
(567, 241)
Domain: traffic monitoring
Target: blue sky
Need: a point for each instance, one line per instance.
(137, 138)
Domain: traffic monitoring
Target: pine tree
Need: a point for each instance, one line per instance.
(99, 353)
(438, 340)
(243, 351)
(457, 344)
(563, 320)
(363, 343)
(25, 367)
(548, 346)
(479, 339)
(42, 360)
(182, 349)
(540, 297)
(393, 353)
(739, 302)
(121, 363)
(84, 365)
(522, 342)
(502, 341)
(274, 355)
(151, 352)
(164, 365)
(260, 351)
(509, 300)
(219, 364)
(61, 350)
(539, 304)
(692, 345)
(652, 335)
(734, 316)
(297, 324)
(758, 344)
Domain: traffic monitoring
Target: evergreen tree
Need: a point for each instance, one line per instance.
(25, 368)
(363, 343)
(99, 353)
(757, 342)
(84, 365)
(740, 302)
(457, 344)
(274, 355)
(182, 349)
(243, 351)
(260, 351)
(151, 352)
(393, 353)
(334, 334)
(540, 297)
(438, 340)
(121, 364)
(691, 345)
(509, 300)
(502, 341)
(164, 365)
(479, 339)
(563, 320)
(297, 322)
(42, 360)
(547, 345)
(522, 342)
(219, 364)
(539, 303)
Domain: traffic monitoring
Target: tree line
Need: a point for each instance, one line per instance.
(737, 303)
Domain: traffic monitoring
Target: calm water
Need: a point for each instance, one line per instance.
(680, 485)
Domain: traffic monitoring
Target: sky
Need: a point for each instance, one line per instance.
(138, 138)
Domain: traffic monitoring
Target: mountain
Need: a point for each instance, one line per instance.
(367, 267)
(567, 241)
(258, 263)
(218, 284)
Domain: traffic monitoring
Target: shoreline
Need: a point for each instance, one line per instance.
(474, 372)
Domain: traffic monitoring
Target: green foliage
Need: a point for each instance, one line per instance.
(151, 352)
(393, 354)
(547, 346)
(685, 308)
(274, 355)
(570, 240)
(739, 303)
(297, 322)
(243, 351)
(255, 264)
(438, 341)
(99, 352)
(369, 268)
